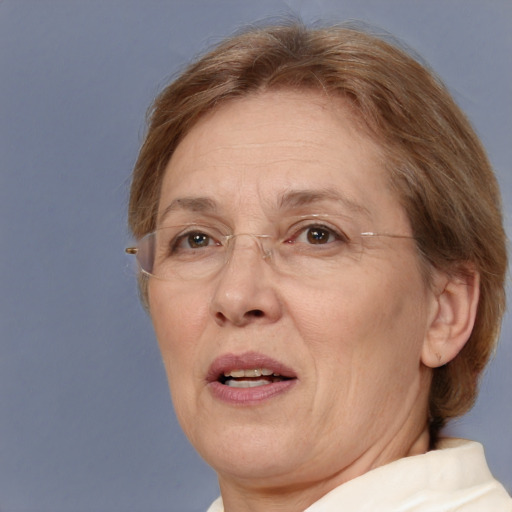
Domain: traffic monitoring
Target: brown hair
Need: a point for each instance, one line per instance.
(435, 160)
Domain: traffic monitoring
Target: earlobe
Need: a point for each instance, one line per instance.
(454, 307)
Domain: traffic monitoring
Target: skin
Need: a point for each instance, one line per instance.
(356, 341)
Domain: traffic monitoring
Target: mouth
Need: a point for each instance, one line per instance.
(249, 378)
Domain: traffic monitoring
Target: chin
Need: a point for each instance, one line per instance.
(254, 452)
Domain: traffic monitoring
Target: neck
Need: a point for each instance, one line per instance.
(244, 496)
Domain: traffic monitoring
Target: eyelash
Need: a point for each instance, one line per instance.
(178, 241)
(339, 236)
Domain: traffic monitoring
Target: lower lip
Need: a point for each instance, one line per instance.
(250, 396)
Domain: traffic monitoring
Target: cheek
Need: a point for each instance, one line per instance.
(369, 321)
(366, 342)
(178, 320)
(389, 335)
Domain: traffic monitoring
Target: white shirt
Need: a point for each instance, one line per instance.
(452, 478)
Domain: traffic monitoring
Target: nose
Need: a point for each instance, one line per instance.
(245, 290)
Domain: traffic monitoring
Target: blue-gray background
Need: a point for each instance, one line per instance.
(86, 423)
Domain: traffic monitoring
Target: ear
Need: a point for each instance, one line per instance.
(454, 307)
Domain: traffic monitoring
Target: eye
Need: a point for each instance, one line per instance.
(181, 241)
(194, 240)
(318, 235)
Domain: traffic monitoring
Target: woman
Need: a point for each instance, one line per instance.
(323, 259)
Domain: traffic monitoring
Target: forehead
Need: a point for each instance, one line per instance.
(275, 150)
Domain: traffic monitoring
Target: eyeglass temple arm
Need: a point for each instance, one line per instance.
(131, 250)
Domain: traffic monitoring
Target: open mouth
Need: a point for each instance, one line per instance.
(250, 378)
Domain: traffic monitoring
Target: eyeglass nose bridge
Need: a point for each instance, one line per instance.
(262, 241)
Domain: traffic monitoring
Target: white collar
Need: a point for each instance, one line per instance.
(453, 477)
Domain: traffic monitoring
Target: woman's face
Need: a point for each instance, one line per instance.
(347, 335)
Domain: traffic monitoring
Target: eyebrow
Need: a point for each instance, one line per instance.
(289, 200)
(193, 204)
(299, 198)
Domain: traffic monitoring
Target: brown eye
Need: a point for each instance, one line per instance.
(198, 240)
(316, 234)
(319, 235)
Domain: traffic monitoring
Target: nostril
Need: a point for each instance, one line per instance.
(220, 317)
(246, 318)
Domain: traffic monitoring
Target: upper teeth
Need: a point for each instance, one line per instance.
(256, 372)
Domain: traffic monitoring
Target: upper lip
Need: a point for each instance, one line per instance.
(246, 361)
